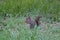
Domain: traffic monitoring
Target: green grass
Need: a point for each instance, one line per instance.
(23, 7)
(17, 29)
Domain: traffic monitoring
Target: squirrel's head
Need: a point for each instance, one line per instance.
(28, 19)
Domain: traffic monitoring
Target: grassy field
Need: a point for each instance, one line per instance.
(23, 7)
(15, 28)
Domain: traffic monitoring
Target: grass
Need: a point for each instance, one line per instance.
(23, 7)
(17, 29)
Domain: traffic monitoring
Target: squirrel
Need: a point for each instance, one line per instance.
(34, 22)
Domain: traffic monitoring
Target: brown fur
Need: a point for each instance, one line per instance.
(33, 22)
(37, 20)
(30, 22)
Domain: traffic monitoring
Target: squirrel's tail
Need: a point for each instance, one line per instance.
(37, 20)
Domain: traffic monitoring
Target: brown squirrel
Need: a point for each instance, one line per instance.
(30, 22)
(33, 22)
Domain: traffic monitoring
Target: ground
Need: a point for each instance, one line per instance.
(17, 29)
